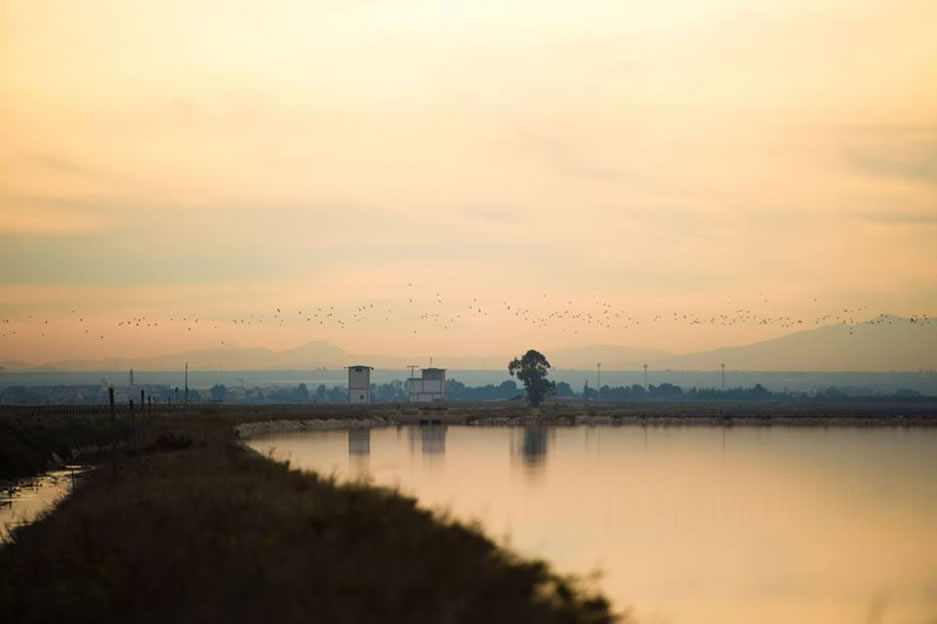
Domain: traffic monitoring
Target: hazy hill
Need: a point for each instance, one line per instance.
(894, 344)
(612, 357)
(14, 364)
(311, 355)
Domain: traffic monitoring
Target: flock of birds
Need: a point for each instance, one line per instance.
(432, 311)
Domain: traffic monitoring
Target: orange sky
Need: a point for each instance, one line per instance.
(222, 159)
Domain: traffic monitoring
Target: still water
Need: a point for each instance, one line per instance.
(24, 501)
(687, 525)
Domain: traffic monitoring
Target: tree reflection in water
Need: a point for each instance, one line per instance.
(530, 445)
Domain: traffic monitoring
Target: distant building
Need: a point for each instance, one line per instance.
(359, 384)
(428, 388)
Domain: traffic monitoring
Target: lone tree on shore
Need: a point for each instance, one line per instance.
(532, 370)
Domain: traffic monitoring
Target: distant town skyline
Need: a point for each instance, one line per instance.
(455, 178)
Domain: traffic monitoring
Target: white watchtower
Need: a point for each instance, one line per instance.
(430, 387)
(359, 384)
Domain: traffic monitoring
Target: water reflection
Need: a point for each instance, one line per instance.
(22, 502)
(431, 439)
(359, 451)
(530, 446)
(688, 524)
(359, 442)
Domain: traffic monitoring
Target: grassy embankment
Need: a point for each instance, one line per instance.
(30, 439)
(190, 526)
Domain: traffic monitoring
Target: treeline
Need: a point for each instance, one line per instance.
(458, 391)
(671, 392)
(392, 392)
(396, 392)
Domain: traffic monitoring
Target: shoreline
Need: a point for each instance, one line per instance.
(251, 430)
(36, 438)
(245, 431)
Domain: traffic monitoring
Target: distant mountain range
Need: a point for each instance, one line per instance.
(893, 344)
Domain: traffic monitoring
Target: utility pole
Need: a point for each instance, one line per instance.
(186, 383)
(133, 425)
(110, 400)
(598, 367)
(723, 376)
(410, 381)
(645, 377)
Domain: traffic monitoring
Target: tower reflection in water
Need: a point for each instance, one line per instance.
(430, 438)
(529, 447)
(359, 450)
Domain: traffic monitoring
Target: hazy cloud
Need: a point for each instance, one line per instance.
(24, 216)
(916, 164)
(898, 217)
(687, 151)
(64, 165)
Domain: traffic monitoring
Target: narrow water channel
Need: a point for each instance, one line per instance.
(21, 502)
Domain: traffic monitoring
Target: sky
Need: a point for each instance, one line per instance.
(414, 168)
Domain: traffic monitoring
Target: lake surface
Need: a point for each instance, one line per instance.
(687, 524)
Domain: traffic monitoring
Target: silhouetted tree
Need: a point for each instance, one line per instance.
(665, 391)
(563, 389)
(532, 370)
(589, 393)
(218, 392)
(388, 392)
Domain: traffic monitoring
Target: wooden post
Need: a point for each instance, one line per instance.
(133, 427)
(110, 395)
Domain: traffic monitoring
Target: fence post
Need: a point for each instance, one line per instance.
(133, 427)
(110, 396)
